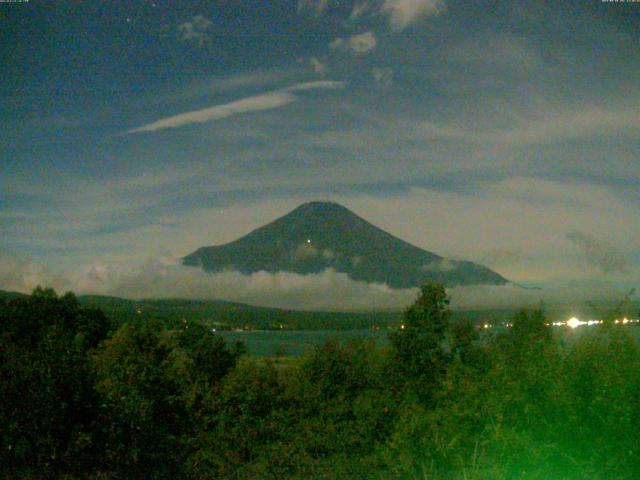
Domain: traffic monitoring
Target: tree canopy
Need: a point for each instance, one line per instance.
(445, 400)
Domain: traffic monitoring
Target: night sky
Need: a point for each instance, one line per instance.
(506, 133)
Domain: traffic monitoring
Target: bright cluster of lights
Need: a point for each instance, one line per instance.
(573, 322)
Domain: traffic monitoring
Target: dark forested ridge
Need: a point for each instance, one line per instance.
(84, 397)
(224, 315)
(7, 295)
(229, 315)
(320, 235)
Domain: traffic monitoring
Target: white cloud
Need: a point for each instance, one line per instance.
(356, 44)
(383, 76)
(552, 127)
(267, 101)
(164, 277)
(21, 275)
(319, 84)
(496, 51)
(197, 30)
(315, 7)
(360, 9)
(317, 65)
(402, 13)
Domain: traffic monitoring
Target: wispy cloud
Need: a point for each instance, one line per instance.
(318, 84)
(218, 84)
(361, 8)
(317, 65)
(589, 121)
(598, 253)
(356, 44)
(403, 13)
(196, 30)
(400, 13)
(21, 275)
(505, 51)
(315, 7)
(383, 76)
(266, 101)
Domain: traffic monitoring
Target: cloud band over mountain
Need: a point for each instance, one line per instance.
(165, 277)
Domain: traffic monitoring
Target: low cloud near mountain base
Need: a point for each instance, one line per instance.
(328, 290)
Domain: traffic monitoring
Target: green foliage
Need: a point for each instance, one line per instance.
(155, 385)
(527, 408)
(465, 347)
(243, 421)
(144, 414)
(440, 403)
(48, 407)
(345, 398)
(205, 356)
(418, 346)
(603, 376)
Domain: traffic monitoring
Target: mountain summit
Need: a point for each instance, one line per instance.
(320, 235)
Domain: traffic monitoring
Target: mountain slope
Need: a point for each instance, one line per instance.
(320, 235)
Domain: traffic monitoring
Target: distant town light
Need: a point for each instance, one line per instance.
(308, 240)
(574, 322)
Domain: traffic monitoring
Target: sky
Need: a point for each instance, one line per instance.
(506, 133)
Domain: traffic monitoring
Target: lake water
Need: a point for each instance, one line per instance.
(297, 342)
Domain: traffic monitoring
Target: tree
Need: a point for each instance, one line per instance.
(144, 414)
(465, 345)
(160, 388)
(417, 348)
(244, 421)
(207, 357)
(49, 408)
